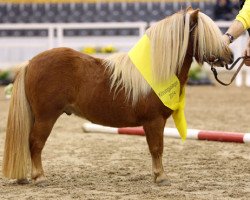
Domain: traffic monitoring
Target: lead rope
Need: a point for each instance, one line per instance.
(229, 68)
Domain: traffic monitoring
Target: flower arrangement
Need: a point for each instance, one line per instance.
(99, 50)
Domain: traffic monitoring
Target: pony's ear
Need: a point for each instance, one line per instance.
(189, 8)
(194, 15)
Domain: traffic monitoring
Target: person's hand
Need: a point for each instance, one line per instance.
(225, 39)
(247, 49)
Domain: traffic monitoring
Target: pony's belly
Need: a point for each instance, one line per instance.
(112, 117)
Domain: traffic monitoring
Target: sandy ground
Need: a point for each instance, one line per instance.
(101, 166)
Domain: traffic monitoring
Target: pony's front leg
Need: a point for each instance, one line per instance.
(154, 134)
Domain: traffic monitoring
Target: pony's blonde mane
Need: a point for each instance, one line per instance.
(125, 75)
(209, 38)
(169, 42)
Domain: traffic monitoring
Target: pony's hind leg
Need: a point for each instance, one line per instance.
(154, 135)
(38, 136)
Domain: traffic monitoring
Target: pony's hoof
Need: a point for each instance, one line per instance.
(41, 182)
(162, 181)
(22, 181)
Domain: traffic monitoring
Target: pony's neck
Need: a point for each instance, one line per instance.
(183, 75)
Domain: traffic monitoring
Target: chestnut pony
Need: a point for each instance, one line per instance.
(107, 91)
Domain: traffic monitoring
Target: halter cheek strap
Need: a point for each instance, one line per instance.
(192, 28)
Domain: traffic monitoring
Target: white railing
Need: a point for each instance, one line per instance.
(18, 49)
(60, 27)
(34, 45)
(113, 25)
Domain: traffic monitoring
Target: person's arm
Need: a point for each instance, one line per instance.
(241, 22)
(239, 25)
(235, 30)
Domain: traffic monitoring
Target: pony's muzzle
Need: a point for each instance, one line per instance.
(229, 61)
(223, 62)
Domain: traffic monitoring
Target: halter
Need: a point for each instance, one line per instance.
(246, 60)
(213, 69)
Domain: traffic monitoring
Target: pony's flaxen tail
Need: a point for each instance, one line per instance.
(16, 161)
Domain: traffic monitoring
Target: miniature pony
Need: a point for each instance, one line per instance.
(108, 91)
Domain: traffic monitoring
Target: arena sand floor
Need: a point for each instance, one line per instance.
(103, 166)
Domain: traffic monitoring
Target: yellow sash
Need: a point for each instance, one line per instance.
(168, 91)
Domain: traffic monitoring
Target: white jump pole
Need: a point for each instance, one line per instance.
(173, 133)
